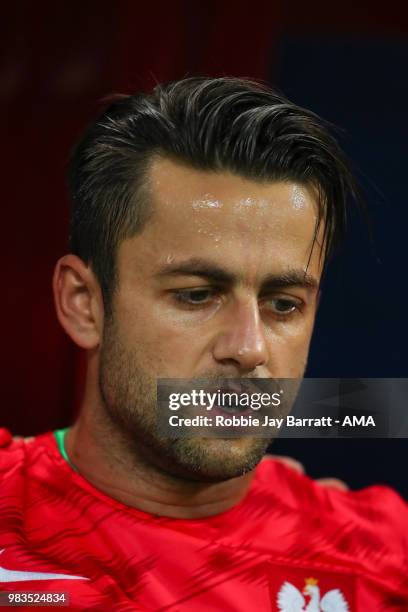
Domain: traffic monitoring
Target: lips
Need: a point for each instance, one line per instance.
(228, 393)
(235, 409)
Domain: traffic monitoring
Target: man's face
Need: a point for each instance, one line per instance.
(222, 282)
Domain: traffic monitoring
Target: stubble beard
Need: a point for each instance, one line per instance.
(128, 391)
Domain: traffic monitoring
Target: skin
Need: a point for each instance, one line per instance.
(221, 282)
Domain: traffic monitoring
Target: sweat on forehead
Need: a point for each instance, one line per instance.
(254, 228)
(218, 201)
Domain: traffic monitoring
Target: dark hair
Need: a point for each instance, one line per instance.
(220, 124)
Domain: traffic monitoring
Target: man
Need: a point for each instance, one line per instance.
(203, 217)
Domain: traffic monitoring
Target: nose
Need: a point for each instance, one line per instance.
(242, 340)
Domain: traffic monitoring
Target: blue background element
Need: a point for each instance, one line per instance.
(360, 85)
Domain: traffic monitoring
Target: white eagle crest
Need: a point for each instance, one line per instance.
(290, 599)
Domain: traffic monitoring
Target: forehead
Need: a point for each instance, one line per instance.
(241, 222)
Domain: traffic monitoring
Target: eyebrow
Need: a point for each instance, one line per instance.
(214, 273)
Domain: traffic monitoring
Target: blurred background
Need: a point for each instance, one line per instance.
(347, 62)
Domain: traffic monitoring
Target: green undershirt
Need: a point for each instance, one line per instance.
(59, 435)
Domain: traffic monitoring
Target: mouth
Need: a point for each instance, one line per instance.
(230, 395)
(233, 409)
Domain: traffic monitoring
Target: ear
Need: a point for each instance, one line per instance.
(78, 301)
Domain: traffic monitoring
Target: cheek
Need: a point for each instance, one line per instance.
(288, 343)
(167, 343)
(294, 331)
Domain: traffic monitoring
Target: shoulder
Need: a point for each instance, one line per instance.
(18, 453)
(299, 489)
(12, 452)
(376, 516)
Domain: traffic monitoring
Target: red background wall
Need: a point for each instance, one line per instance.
(57, 60)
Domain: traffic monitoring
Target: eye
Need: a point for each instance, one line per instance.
(194, 297)
(283, 306)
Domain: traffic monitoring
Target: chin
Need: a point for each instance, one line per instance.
(215, 459)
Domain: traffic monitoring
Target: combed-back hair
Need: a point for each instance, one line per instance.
(214, 124)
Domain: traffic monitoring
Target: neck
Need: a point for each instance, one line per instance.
(101, 457)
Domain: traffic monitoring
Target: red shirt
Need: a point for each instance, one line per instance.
(289, 538)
